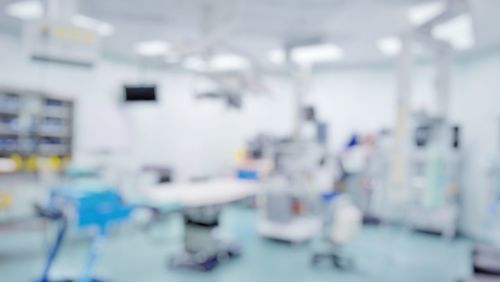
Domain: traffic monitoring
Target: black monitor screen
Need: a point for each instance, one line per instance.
(140, 93)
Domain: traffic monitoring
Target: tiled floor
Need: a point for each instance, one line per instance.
(382, 254)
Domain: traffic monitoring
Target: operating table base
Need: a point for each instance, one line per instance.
(203, 262)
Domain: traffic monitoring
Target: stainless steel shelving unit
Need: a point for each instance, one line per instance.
(34, 123)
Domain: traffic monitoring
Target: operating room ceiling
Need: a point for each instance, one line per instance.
(254, 27)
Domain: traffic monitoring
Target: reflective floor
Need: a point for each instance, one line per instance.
(381, 253)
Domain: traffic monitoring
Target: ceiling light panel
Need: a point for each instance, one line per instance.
(152, 48)
(25, 10)
(390, 46)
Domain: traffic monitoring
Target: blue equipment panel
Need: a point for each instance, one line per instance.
(247, 174)
(94, 204)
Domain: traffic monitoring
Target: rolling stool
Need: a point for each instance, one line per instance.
(341, 222)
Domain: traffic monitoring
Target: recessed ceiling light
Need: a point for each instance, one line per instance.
(458, 31)
(152, 48)
(26, 10)
(218, 63)
(103, 28)
(33, 9)
(389, 46)
(277, 56)
(423, 13)
(317, 53)
(228, 62)
(195, 63)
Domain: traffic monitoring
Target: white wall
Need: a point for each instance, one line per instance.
(199, 138)
(354, 101)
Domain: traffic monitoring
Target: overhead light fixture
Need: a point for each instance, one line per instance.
(33, 9)
(423, 13)
(458, 32)
(152, 48)
(228, 62)
(317, 54)
(103, 28)
(277, 56)
(195, 63)
(218, 63)
(26, 10)
(390, 46)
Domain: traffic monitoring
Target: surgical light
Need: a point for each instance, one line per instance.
(458, 31)
(317, 53)
(423, 13)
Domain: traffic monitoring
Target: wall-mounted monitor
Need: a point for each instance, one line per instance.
(140, 93)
